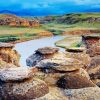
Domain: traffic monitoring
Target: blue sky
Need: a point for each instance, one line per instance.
(49, 6)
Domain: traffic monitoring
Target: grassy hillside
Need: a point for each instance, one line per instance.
(69, 22)
(54, 24)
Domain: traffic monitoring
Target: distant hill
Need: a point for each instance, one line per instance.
(72, 18)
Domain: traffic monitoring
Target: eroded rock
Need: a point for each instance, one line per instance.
(89, 93)
(64, 64)
(74, 82)
(19, 84)
(16, 74)
(9, 55)
(41, 53)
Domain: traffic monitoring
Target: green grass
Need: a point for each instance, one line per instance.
(69, 42)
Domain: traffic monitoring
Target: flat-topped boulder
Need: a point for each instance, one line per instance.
(88, 93)
(74, 82)
(60, 64)
(6, 45)
(16, 74)
(47, 50)
(40, 54)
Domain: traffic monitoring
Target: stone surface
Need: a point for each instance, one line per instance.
(64, 64)
(6, 45)
(42, 53)
(90, 93)
(94, 50)
(54, 94)
(24, 90)
(81, 56)
(9, 55)
(74, 82)
(16, 74)
(47, 50)
(4, 64)
(94, 68)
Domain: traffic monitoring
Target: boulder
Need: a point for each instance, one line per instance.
(60, 64)
(74, 82)
(47, 50)
(19, 84)
(16, 74)
(41, 53)
(81, 56)
(89, 93)
(55, 93)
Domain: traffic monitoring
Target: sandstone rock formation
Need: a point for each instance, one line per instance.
(81, 56)
(9, 55)
(74, 82)
(89, 93)
(19, 83)
(64, 64)
(41, 53)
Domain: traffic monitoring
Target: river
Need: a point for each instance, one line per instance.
(25, 49)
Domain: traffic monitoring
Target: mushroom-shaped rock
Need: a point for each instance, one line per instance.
(15, 74)
(89, 93)
(68, 64)
(41, 53)
(74, 82)
(18, 84)
(47, 50)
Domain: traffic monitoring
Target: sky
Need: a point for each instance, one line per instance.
(49, 6)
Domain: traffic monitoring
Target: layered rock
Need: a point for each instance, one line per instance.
(74, 82)
(19, 83)
(64, 64)
(92, 43)
(9, 55)
(81, 56)
(41, 53)
(53, 65)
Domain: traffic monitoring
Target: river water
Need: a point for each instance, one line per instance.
(25, 49)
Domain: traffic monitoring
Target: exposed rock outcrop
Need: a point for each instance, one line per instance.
(89, 93)
(41, 53)
(19, 83)
(74, 82)
(81, 56)
(64, 64)
(9, 55)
